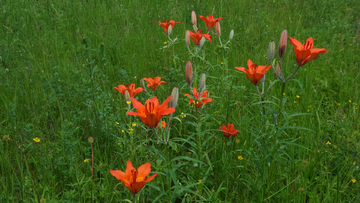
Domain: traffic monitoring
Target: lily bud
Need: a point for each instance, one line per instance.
(189, 73)
(277, 70)
(202, 41)
(271, 51)
(218, 29)
(202, 82)
(195, 28)
(174, 97)
(127, 97)
(231, 35)
(142, 83)
(283, 43)
(187, 38)
(193, 18)
(169, 30)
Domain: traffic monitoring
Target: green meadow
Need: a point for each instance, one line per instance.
(60, 61)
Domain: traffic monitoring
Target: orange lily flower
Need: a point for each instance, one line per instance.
(196, 37)
(305, 52)
(229, 130)
(204, 100)
(255, 72)
(131, 89)
(152, 112)
(154, 83)
(165, 25)
(134, 179)
(210, 22)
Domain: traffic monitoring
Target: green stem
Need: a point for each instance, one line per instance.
(134, 199)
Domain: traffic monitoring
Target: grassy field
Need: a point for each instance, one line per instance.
(60, 61)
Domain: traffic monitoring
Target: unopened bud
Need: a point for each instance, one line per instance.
(195, 28)
(218, 29)
(91, 139)
(283, 43)
(277, 70)
(169, 30)
(127, 97)
(174, 97)
(231, 36)
(142, 84)
(263, 78)
(187, 38)
(202, 41)
(6, 137)
(202, 82)
(189, 73)
(193, 18)
(271, 51)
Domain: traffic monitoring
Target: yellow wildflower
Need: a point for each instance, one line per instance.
(222, 63)
(301, 189)
(200, 181)
(86, 160)
(134, 124)
(240, 158)
(101, 165)
(42, 200)
(353, 180)
(117, 123)
(328, 143)
(122, 131)
(237, 140)
(6, 137)
(298, 96)
(131, 131)
(36, 139)
(128, 102)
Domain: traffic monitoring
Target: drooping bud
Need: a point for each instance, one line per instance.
(231, 35)
(189, 73)
(283, 43)
(271, 51)
(202, 41)
(169, 30)
(193, 18)
(142, 84)
(202, 82)
(127, 97)
(218, 29)
(277, 70)
(195, 28)
(91, 139)
(187, 38)
(174, 97)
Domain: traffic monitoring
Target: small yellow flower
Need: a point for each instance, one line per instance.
(240, 158)
(42, 200)
(222, 63)
(128, 102)
(165, 42)
(301, 189)
(91, 139)
(295, 102)
(220, 122)
(36, 139)
(353, 180)
(122, 131)
(308, 110)
(117, 123)
(200, 181)
(328, 143)
(6, 137)
(335, 146)
(294, 123)
(339, 104)
(131, 131)
(86, 160)
(284, 94)
(183, 115)
(134, 124)
(59, 80)
(350, 101)
(237, 140)
(305, 68)
(298, 96)
(101, 165)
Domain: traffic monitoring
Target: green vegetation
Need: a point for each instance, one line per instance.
(59, 62)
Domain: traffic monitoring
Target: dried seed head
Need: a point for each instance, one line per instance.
(305, 163)
(6, 137)
(189, 73)
(218, 29)
(271, 51)
(202, 41)
(193, 18)
(169, 30)
(91, 139)
(283, 43)
(127, 96)
(187, 38)
(202, 82)
(231, 35)
(174, 97)
(277, 70)
(142, 84)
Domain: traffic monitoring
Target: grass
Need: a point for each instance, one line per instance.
(59, 62)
